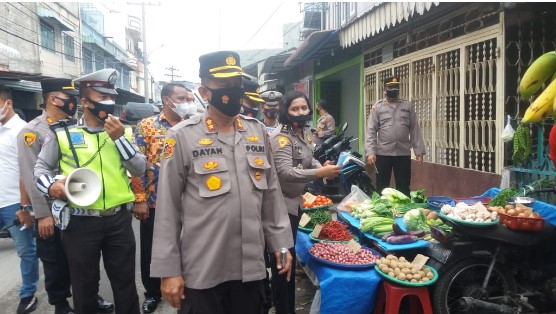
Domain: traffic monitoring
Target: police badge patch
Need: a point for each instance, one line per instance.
(29, 138)
(168, 148)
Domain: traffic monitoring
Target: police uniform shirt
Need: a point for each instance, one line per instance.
(325, 128)
(221, 203)
(30, 139)
(50, 155)
(293, 156)
(393, 130)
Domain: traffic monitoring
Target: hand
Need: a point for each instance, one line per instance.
(25, 218)
(419, 158)
(141, 211)
(329, 172)
(172, 289)
(46, 227)
(114, 127)
(284, 269)
(371, 159)
(57, 189)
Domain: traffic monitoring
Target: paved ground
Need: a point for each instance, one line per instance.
(10, 279)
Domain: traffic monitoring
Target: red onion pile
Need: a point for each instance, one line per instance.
(342, 254)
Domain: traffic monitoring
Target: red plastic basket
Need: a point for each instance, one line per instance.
(521, 223)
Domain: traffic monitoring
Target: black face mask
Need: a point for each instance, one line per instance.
(392, 93)
(101, 111)
(299, 121)
(250, 112)
(70, 105)
(271, 113)
(227, 99)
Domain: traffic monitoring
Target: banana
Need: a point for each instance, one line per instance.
(539, 71)
(542, 106)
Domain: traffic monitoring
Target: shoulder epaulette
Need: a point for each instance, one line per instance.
(63, 123)
(285, 129)
(195, 119)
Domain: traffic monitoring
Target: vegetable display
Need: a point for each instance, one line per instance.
(335, 231)
(477, 213)
(318, 217)
(517, 210)
(321, 200)
(402, 269)
(342, 254)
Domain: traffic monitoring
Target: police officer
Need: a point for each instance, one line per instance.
(292, 144)
(326, 125)
(391, 133)
(101, 143)
(270, 109)
(221, 199)
(59, 103)
(252, 100)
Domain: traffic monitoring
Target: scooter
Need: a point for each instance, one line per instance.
(494, 269)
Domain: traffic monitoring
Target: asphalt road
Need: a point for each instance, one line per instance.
(10, 281)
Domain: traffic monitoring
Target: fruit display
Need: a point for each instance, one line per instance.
(335, 231)
(517, 210)
(320, 201)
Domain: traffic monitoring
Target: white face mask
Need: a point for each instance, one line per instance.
(184, 109)
(3, 111)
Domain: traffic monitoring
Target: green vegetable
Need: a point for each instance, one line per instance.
(500, 199)
(405, 208)
(418, 196)
(416, 220)
(318, 217)
(395, 197)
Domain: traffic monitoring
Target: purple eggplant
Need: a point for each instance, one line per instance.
(398, 230)
(417, 233)
(401, 239)
(386, 236)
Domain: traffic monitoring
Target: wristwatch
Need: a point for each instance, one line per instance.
(27, 207)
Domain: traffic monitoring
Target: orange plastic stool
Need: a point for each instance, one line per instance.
(390, 297)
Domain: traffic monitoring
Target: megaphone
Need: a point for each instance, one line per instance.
(82, 187)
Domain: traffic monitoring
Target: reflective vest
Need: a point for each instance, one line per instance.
(107, 164)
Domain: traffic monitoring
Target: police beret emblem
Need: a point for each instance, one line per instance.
(225, 99)
(230, 60)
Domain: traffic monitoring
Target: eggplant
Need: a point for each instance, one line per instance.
(386, 236)
(417, 233)
(401, 239)
(398, 230)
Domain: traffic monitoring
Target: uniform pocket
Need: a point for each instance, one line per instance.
(404, 118)
(214, 177)
(258, 165)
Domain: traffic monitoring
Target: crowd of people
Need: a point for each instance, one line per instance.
(218, 193)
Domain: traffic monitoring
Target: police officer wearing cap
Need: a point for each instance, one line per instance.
(99, 142)
(270, 109)
(392, 131)
(222, 202)
(252, 100)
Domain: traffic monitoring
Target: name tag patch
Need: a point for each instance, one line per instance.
(253, 148)
(208, 151)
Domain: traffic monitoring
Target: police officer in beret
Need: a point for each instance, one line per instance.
(222, 202)
(392, 131)
(101, 143)
(270, 109)
(252, 100)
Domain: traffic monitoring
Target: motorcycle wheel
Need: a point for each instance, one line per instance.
(465, 279)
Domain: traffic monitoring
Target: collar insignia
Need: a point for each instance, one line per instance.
(210, 125)
(239, 125)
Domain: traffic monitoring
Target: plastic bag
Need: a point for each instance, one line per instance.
(508, 133)
(355, 197)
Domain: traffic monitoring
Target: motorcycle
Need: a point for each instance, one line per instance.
(494, 269)
(353, 168)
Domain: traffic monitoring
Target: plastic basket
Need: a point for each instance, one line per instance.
(521, 223)
(436, 202)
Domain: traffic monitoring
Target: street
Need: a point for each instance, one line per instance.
(10, 281)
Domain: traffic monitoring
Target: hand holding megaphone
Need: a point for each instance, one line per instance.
(57, 189)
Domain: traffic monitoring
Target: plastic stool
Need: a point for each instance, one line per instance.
(390, 296)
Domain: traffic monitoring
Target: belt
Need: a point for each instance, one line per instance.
(96, 213)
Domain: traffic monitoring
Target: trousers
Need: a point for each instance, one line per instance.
(401, 165)
(55, 265)
(151, 285)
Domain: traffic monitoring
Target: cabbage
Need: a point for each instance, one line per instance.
(415, 220)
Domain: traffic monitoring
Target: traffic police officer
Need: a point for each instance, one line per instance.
(222, 202)
(99, 142)
(292, 144)
(270, 109)
(391, 133)
(251, 100)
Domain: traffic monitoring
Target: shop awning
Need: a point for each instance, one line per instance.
(23, 85)
(53, 18)
(379, 18)
(317, 41)
(274, 64)
(9, 51)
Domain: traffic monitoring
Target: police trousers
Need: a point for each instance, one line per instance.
(56, 270)
(152, 285)
(401, 165)
(84, 240)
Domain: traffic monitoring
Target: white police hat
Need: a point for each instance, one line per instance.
(102, 81)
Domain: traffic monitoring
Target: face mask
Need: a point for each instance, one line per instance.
(184, 109)
(3, 111)
(299, 121)
(227, 99)
(102, 109)
(392, 93)
(271, 113)
(70, 105)
(250, 112)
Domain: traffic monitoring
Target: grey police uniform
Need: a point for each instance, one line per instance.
(393, 130)
(325, 128)
(221, 197)
(295, 164)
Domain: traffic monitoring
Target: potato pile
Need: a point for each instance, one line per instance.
(519, 210)
(402, 269)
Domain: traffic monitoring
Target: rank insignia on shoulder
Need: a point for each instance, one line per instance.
(284, 129)
(258, 161)
(283, 141)
(213, 183)
(29, 138)
(210, 125)
(210, 165)
(239, 124)
(309, 139)
(253, 139)
(168, 148)
(205, 141)
(49, 120)
(258, 175)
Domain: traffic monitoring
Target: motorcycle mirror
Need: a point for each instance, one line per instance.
(343, 128)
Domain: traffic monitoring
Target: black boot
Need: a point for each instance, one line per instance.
(104, 306)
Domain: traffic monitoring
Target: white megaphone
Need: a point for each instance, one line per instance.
(82, 187)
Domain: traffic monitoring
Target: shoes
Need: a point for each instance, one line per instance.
(104, 306)
(63, 308)
(27, 305)
(150, 304)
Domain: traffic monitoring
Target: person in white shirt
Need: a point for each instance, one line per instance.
(10, 125)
